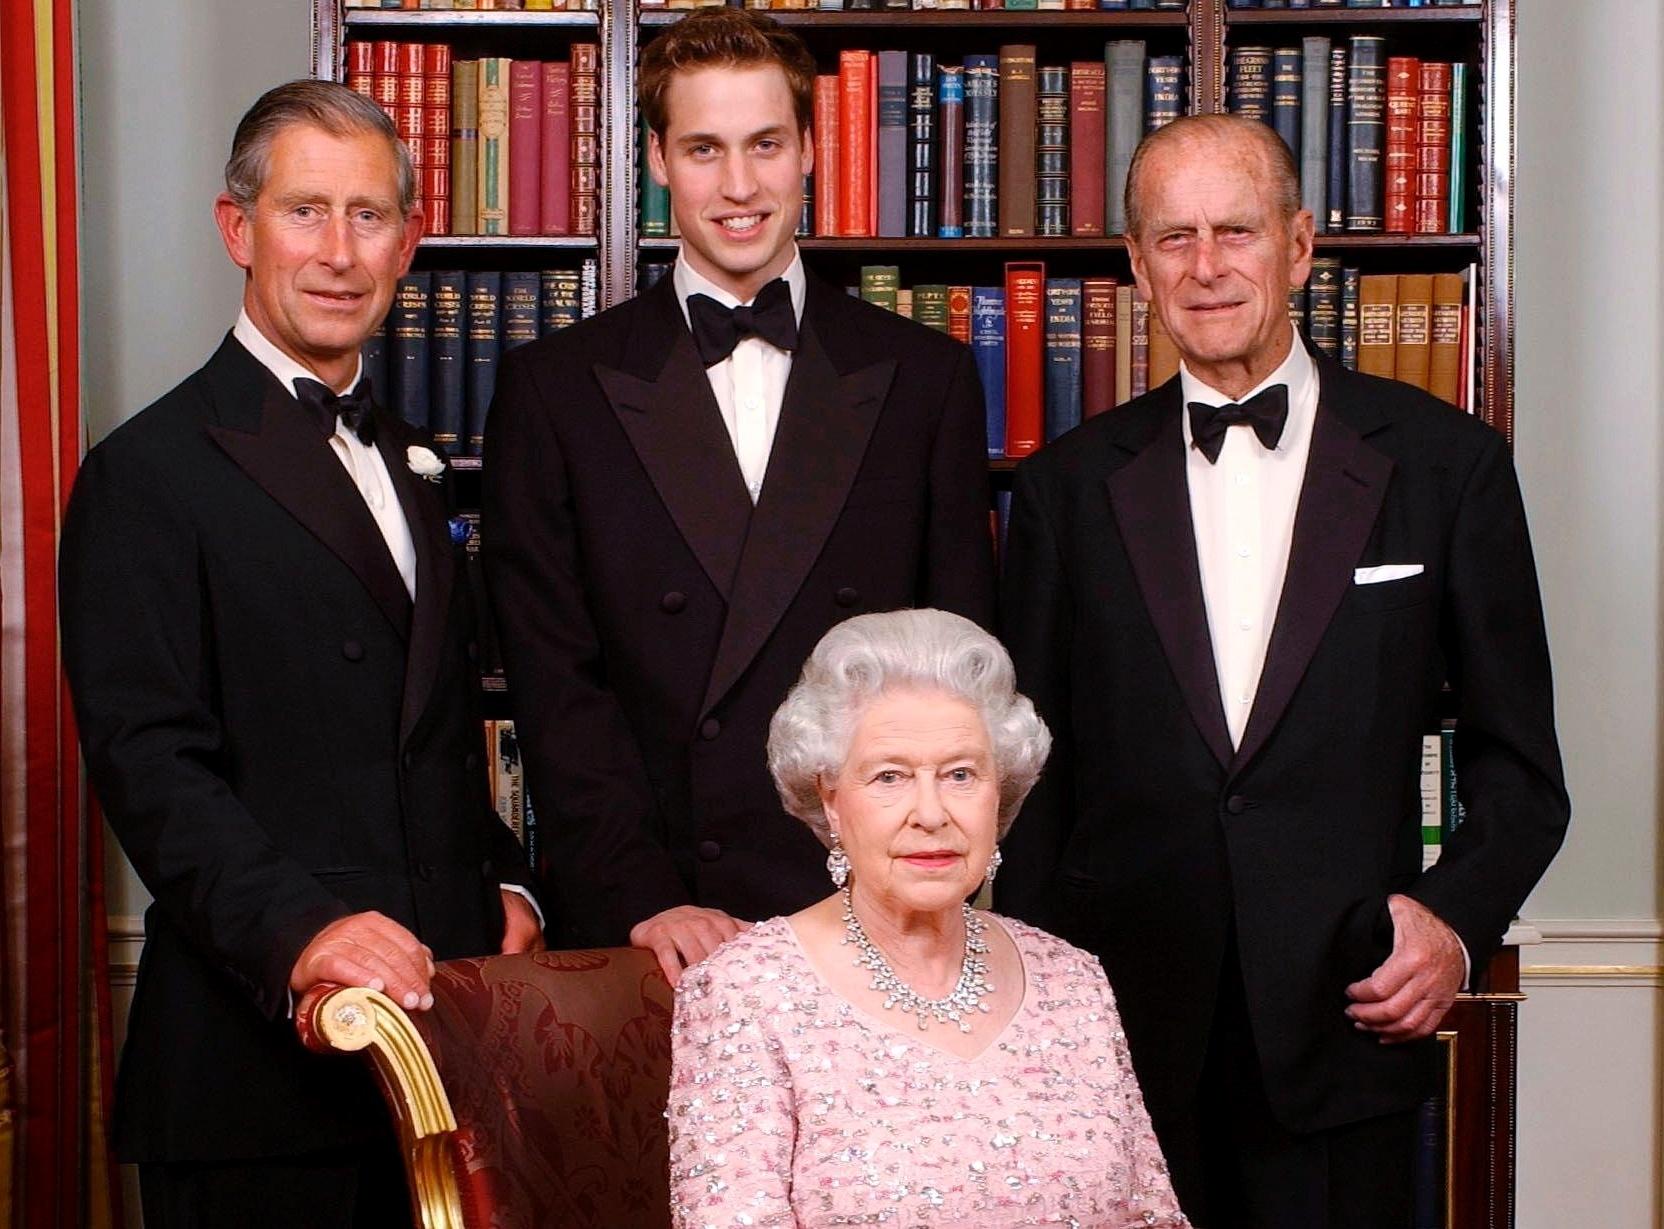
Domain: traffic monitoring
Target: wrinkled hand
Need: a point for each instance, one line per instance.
(1407, 997)
(522, 932)
(367, 949)
(684, 936)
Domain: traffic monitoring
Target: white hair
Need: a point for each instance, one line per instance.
(871, 655)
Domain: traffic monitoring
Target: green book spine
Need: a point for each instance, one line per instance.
(1432, 783)
(655, 197)
(493, 162)
(879, 284)
(930, 306)
(1459, 122)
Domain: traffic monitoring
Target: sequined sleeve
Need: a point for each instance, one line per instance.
(731, 1109)
(1151, 1187)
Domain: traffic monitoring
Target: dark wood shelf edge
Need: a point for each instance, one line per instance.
(1068, 243)
(580, 243)
(1026, 19)
(482, 18)
(1471, 14)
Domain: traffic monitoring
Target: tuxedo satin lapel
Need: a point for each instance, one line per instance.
(295, 465)
(1151, 499)
(1346, 480)
(675, 426)
(826, 420)
(424, 513)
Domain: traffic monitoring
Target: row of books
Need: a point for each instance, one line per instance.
(436, 354)
(507, 780)
(927, 5)
(1052, 351)
(1381, 141)
(501, 146)
(515, 6)
(1348, 4)
(906, 146)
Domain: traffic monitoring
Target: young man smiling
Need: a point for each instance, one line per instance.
(683, 493)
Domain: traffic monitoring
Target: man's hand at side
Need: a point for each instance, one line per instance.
(522, 932)
(1407, 997)
(367, 949)
(684, 936)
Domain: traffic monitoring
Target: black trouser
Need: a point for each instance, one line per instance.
(339, 1189)
(1236, 1167)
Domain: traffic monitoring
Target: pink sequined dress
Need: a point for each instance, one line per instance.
(791, 1106)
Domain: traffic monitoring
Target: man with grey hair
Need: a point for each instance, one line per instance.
(1235, 601)
(270, 660)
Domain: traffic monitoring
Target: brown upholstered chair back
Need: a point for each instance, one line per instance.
(556, 1066)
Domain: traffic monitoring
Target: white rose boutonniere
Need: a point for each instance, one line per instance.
(424, 462)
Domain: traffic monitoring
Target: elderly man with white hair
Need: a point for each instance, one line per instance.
(891, 1050)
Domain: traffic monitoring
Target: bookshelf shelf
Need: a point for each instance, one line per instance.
(1066, 243)
(1470, 14)
(1008, 19)
(394, 19)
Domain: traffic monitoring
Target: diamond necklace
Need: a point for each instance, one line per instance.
(959, 1007)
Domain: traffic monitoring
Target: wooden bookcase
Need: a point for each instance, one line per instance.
(1479, 1041)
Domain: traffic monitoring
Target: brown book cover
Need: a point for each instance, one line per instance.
(1140, 343)
(584, 116)
(1415, 328)
(1097, 345)
(525, 146)
(1016, 137)
(1087, 85)
(959, 313)
(1377, 323)
(1025, 354)
(950, 123)
(855, 142)
(827, 87)
(1123, 342)
(1398, 187)
(465, 144)
(1164, 355)
(554, 197)
(1444, 359)
(1432, 181)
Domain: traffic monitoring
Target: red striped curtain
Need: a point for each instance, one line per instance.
(54, 1007)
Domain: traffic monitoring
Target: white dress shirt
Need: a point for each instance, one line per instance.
(362, 461)
(750, 383)
(1242, 511)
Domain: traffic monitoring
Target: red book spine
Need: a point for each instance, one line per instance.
(1432, 182)
(384, 80)
(1097, 345)
(435, 174)
(586, 141)
(1087, 84)
(827, 88)
(872, 144)
(555, 193)
(1025, 347)
(855, 122)
(361, 68)
(959, 313)
(525, 145)
(1398, 193)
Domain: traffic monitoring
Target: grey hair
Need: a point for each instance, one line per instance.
(871, 655)
(1226, 130)
(320, 104)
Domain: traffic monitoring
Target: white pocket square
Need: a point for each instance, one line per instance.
(1384, 572)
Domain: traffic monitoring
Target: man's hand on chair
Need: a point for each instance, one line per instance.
(367, 949)
(684, 936)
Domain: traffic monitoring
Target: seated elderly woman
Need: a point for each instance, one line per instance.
(891, 1055)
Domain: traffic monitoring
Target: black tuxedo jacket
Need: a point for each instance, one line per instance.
(652, 619)
(279, 736)
(1152, 842)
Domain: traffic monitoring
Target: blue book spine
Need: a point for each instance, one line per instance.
(1002, 519)
(1351, 286)
(1113, 6)
(982, 126)
(1287, 82)
(562, 300)
(1249, 91)
(485, 295)
(988, 349)
(921, 145)
(449, 360)
(1335, 195)
(522, 291)
(1163, 90)
(407, 349)
(1366, 124)
(1063, 374)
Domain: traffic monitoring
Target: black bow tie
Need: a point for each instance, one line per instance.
(352, 408)
(718, 329)
(1266, 411)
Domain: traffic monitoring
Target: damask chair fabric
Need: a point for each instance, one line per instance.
(557, 1065)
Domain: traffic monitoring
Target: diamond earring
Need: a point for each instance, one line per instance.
(837, 863)
(994, 865)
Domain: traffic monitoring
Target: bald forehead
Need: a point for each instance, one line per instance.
(1199, 144)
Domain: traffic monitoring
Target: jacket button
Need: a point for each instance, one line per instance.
(1236, 804)
(673, 602)
(352, 650)
(846, 596)
(407, 760)
(709, 728)
(709, 851)
(424, 871)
